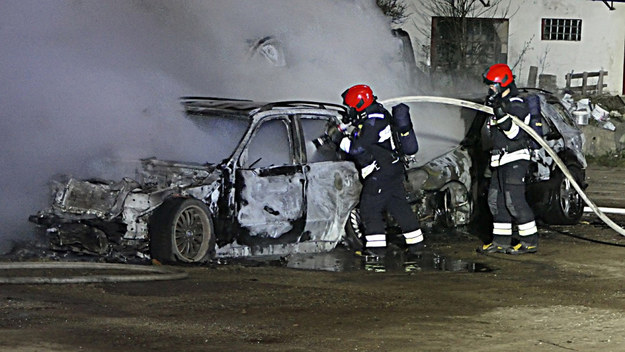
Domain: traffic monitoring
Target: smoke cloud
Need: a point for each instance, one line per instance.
(85, 81)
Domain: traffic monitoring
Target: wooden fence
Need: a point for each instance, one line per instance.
(586, 87)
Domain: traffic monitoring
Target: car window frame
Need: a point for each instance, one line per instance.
(300, 131)
(253, 132)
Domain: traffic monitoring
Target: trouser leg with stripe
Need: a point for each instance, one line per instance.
(378, 198)
(507, 203)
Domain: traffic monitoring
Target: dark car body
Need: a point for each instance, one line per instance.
(549, 192)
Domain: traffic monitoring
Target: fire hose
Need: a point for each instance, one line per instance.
(524, 127)
(157, 273)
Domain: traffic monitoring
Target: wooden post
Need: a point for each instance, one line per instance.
(600, 82)
(568, 80)
(531, 79)
(584, 82)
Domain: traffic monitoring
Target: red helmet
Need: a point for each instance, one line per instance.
(499, 74)
(358, 97)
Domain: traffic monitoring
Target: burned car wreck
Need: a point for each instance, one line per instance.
(274, 195)
(277, 192)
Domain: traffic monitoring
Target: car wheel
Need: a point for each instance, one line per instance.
(181, 230)
(566, 205)
(457, 205)
(354, 231)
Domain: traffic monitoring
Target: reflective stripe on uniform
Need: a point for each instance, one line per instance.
(385, 134)
(502, 228)
(375, 115)
(498, 160)
(513, 131)
(514, 128)
(527, 229)
(500, 121)
(414, 237)
(345, 144)
(374, 241)
(527, 119)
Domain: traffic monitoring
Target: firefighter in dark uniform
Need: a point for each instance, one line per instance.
(372, 147)
(510, 159)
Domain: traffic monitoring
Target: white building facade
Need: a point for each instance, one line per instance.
(555, 37)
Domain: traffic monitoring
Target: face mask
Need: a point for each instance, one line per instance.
(352, 115)
(493, 96)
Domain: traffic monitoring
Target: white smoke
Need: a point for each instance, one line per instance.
(87, 80)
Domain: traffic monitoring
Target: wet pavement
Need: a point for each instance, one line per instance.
(396, 260)
(341, 259)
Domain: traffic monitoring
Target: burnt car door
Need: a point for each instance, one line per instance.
(269, 186)
(332, 184)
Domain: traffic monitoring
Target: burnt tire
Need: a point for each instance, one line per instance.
(354, 231)
(181, 230)
(457, 206)
(566, 206)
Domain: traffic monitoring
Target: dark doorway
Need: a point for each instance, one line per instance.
(461, 48)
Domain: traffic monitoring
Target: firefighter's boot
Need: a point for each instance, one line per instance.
(527, 244)
(493, 248)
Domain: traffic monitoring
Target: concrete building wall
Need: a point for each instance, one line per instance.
(602, 45)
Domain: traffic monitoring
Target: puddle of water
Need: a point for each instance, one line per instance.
(341, 260)
(336, 260)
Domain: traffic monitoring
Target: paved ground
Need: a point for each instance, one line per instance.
(568, 297)
(607, 186)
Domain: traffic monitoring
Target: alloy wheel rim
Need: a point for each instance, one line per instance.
(569, 199)
(189, 233)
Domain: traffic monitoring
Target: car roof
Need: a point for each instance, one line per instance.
(206, 105)
(212, 105)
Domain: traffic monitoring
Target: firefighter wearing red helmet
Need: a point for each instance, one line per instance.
(374, 152)
(510, 159)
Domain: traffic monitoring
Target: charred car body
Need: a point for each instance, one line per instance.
(275, 194)
(278, 192)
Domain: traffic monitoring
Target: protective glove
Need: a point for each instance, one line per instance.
(499, 108)
(367, 170)
(345, 144)
(498, 111)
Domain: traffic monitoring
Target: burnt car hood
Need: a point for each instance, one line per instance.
(75, 199)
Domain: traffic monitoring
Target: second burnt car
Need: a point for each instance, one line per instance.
(549, 192)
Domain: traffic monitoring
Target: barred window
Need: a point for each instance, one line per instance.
(561, 29)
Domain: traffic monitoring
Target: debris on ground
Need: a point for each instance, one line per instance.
(601, 119)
